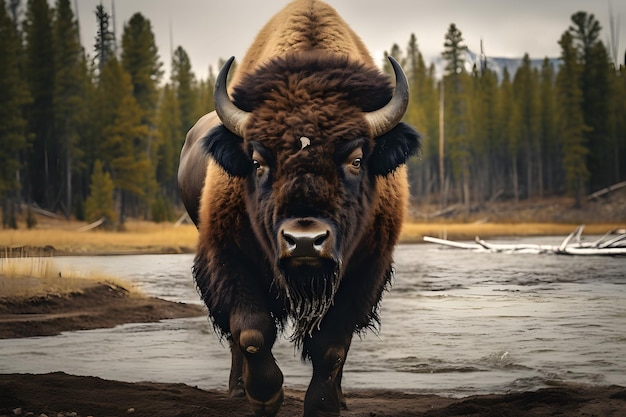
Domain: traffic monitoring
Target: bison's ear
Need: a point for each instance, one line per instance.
(226, 149)
(393, 149)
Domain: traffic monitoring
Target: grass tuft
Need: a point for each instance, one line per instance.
(31, 277)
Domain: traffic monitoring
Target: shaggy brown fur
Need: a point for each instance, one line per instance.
(303, 25)
(306, 75)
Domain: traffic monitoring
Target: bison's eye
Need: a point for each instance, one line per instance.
(353, 161)
(260, 166)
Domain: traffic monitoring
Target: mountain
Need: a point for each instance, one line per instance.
(496, 64)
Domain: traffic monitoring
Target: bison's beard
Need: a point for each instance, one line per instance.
(309, 295)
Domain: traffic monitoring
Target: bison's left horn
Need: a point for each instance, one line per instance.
(383, 120)
(231, 116)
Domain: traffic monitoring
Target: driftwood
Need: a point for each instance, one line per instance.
(183, 219)
(44, 212)
(91, 225)
(606, 190)
(613, 243)
(439, 213)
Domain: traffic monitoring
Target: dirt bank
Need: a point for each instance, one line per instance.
(55, 393)
(101, 305)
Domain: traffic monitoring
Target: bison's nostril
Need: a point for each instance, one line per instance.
(289, 239)
(320, 240)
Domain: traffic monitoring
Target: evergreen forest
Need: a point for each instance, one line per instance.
(95, 131)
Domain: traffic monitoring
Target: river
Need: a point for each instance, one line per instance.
(455, 323)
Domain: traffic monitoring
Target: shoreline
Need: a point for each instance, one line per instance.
(412, 233)
(81, 396)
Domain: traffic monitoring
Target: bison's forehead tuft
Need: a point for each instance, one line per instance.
(305, 141)
(313, 83)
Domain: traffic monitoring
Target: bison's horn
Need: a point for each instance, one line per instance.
(383, 120)
(231, 116)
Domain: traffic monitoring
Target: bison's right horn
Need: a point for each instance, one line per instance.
(231, 116)
(383, 120)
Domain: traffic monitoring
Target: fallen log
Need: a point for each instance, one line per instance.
(91, 225)
(606, 190)
(607, 245)
(451, 243)
(183, 219)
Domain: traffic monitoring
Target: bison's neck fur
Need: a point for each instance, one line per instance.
(302, 76)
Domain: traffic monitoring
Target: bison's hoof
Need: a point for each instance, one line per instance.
(238, 391)
(267, 408)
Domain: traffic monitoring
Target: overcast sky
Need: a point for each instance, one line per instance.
(213, 29)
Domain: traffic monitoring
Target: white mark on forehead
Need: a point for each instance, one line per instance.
(305, 142)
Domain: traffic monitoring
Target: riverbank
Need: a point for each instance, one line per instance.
(148, 238)
(80, 304)
(539, 217)
(80, 396)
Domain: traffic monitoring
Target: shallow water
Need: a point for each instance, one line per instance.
(455, 323)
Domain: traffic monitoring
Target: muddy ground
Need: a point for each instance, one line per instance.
(59, 394)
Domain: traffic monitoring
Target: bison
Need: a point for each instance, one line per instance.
(298, 187)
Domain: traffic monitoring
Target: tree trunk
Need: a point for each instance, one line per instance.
(68, 183)
(515, 183)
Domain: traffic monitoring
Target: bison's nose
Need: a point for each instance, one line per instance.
(305, 238)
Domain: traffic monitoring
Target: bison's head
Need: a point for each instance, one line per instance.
(311, 134)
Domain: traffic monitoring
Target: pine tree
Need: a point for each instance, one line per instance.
(415, 116)
(183, 82)
(548, 143)
(457, 115)
(13, 97)
(89, 135)
(105, 39)
(100, 203)
(594, 85)
(509, 128)
(396, 53)
(617, 124)
(170, 144)
(123, 146)
(68, 94)
(140, 58)
(525, 91)
(39, 71)
(204, 98)
(572, 123)
(454, 51)
(486, 140)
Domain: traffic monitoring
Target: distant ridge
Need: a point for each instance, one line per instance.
(496, 64)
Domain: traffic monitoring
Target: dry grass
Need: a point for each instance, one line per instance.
(138, 237)
(147, 237)
(30, 277)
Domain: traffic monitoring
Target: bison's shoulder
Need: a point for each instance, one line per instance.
(193, 161)
(303, 25)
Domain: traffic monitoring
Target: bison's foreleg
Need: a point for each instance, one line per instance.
(253, 335)
(235, 381)
(328, 352)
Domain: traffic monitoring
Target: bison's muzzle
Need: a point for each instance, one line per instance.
(305, 241)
